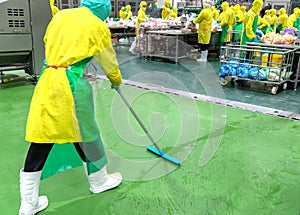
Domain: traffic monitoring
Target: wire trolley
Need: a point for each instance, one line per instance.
(257, 66)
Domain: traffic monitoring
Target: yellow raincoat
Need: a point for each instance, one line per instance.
(268, 17)
(243, 9)
(166, 9)
(282, 20)
(236, 8)
(251, 21)
(61, 109)
(220, 17)
(54, 9)
(204, 20)
(141, 16)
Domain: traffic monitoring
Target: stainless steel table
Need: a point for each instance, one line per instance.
(169, 44)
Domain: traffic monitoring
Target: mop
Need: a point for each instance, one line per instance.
(156, 150)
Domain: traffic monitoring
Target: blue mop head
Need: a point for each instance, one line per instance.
(163, 155)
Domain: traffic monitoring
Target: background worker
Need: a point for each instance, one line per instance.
(292, 21)
(226, 22)
(204, 20)
(122, 14)
(128, 13)
(274, 19)
(239, 18)
(166, 9)
(173, 14)
(264, 25)
(250, 23)
(142, 17)
(62, 106)
(282, 20)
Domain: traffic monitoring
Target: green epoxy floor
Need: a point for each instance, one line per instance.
(255, 168)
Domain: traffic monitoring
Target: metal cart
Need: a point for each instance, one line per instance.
(295, 79)
(260, 67)
(235, 36)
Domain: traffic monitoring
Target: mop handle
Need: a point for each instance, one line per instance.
(138, 119)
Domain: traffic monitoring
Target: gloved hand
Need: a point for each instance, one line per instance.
(256, 40)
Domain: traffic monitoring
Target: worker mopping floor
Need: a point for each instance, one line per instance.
(254, 169)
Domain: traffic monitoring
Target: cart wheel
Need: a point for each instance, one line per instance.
(232, 81)
(224, 81)
(274, 90)
(284, 86)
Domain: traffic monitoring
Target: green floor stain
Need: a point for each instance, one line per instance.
(255, 170)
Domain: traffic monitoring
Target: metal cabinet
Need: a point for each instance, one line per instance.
(22, 28)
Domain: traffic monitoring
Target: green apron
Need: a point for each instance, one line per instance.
(84, 107)
(224, 33)
(296, 23)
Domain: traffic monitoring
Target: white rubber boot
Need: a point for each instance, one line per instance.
(31, 203)
(203, 56)
(132, 47)
(101, 181)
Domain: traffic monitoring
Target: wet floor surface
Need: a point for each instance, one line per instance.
(234, 161)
